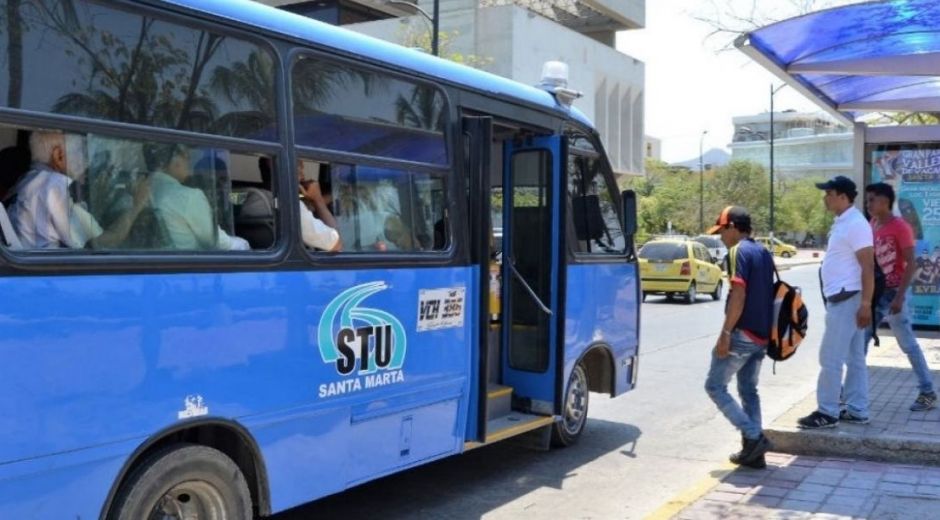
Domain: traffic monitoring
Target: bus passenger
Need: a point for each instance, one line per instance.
(184, 212)
(318, 233)
(44, 214)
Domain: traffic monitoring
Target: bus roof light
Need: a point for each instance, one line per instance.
(555, 81)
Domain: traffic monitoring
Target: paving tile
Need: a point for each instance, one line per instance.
(815, 488)
(727, 487)
(808, 496)
(859, 483)
(857, 494)
(805, 462)
(893, 487)
(928, 490)
(744, 478)
(720, 496)
(798, 505)
(787, 484)
(763, 500)
(900, 478)
(770, 491)
(845, 500)
(840, 509)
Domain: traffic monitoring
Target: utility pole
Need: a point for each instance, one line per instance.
(701, 183)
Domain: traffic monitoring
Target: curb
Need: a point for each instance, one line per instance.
(924, 450)
(785, 267)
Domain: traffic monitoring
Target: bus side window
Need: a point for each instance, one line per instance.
(592, 207)
(116, 194)
(385, 210)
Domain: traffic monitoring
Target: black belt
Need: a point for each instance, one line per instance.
(841, 296)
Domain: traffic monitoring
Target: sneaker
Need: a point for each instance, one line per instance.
(752, 452)
(850, 417)
(924, 402)
(817, 420)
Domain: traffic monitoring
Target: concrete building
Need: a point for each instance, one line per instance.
(513, 38)
(806, 145)
(653, 147)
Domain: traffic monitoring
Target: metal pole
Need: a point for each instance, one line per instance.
(771, 234)
(436, 22)
(701, 184)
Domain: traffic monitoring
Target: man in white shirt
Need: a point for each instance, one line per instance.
(184, 212)
(318, 233)
(44, 215)
(848, 282)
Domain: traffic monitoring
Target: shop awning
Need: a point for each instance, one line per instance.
(869, 57)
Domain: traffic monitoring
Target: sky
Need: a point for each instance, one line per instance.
(690, 87)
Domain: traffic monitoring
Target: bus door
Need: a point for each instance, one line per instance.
(530, 271)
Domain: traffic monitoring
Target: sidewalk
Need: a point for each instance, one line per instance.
(802, 257)
(824, 474)
(798, 487)
(895, 434)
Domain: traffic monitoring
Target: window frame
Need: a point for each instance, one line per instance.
(453, 177)
(581, 257)
(196, 20)
(27, 262)
(449, 133)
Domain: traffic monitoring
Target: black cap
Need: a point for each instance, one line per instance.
(731, 215)
(839, 184)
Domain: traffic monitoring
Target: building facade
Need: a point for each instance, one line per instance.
(806, 145)
(513, 38)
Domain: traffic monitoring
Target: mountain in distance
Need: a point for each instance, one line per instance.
(713, 158)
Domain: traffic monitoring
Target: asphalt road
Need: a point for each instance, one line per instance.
(638, 452)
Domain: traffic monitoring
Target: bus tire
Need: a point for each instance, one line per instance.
(184, 479)
(569, 428)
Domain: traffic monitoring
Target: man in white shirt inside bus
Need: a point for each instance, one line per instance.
(317, 233)
(44, 215)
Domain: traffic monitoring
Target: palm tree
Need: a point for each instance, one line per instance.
(247, 83)
(424, 109)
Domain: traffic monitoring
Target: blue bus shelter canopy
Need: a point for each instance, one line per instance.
(870, 57)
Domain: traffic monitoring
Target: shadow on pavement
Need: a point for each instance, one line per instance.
(475, 483)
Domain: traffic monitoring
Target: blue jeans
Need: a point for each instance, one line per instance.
(744, 360)
(904, 332)
(843, 345)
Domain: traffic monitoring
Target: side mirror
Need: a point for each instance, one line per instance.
(628, 201)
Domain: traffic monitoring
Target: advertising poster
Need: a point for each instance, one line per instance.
(914, 172)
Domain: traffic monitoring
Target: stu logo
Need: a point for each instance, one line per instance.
(361, 340)
(372, 344)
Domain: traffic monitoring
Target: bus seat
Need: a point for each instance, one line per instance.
(148, 232)
(255, 219)
(9, 234)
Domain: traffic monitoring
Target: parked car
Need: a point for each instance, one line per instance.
(716, 248)
(780, 248)
(674, 267)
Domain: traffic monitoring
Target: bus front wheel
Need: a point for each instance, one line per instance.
(185, 482)
(567, 431)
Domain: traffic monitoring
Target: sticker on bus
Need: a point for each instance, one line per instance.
(440, 308)
(366, 345)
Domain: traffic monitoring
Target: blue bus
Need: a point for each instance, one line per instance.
(174, 347)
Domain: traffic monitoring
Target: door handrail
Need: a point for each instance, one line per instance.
(528, 289)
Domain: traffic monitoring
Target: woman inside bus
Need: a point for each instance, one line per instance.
(318, 233)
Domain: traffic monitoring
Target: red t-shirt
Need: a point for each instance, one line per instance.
(891, 239)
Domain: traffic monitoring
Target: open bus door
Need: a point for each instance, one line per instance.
(530, 272)
(513, 187)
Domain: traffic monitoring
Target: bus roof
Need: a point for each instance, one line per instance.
(289, 24)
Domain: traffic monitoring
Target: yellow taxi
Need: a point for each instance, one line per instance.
(678, 267)
(780, 248)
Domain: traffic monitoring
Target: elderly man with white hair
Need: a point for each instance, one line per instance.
(45, 216)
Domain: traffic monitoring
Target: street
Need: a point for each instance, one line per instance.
(638, 452)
